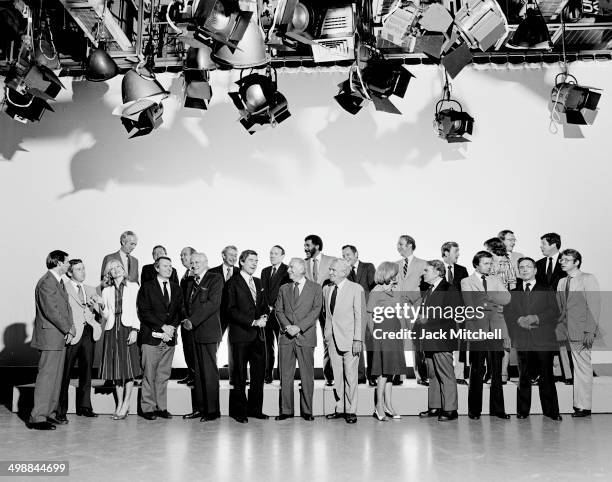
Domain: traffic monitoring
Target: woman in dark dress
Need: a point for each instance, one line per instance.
(121, 356)
(388, 354)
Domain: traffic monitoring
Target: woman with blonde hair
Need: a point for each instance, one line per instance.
(121, 357)
(388, 353)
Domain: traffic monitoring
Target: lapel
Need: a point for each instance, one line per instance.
(245, 287)
(64, 293)
(73, 293)
(477, 281)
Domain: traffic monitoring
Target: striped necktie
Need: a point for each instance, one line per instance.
(253, 289)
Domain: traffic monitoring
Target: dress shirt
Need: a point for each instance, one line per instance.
(301, 284)
(161, 282)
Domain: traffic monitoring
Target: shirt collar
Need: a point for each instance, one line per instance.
(341, 283)
(161, 281)
(302, 282)
(76, 284)
(55, 275)
(435, 285)
(356, 265)
(410, 258)
(246, 276)
(532, 283)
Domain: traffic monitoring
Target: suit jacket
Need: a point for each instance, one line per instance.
(132, 275)
(203, 307)
(242, 311)
(53, 314)
(81, 313)
(348, 321)
(491, 303)
(220, 270)
(557, 273)
(149, 273)
(322, 269)
(581, 311)
(271, 285)
(153, 312)
(303, 312)
(364, 277)
(412, 284)
(435, 304)
(459, 273)
(540, 302)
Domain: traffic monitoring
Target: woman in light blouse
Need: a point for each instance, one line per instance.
(121, 357)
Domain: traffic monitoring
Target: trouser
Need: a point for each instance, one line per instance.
(565, 360)
(48, 384)
(253, 354)
(272, 329)
(583, 376)
(540, 363)
(156, 367)
(459, 359)
(345, 367)
(420, 366)
(188, 349)
(288, 354)
(496, 394)
(328, 372)
(230, 358)
(83, 352)
(205, 392)
(442, 390)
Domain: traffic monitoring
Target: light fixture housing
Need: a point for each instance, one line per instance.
(259, 102)
(196, 74)
(482, 23)
(100, 65)
(532, 32)
(573, 100)
(452, 125)
(222, 21)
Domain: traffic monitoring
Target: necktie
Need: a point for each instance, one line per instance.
(484, 282)
(273, 272)
(549, 270)
(194, 288)
(405, 266)
(353, 274)
(451, 279)
(166, 294)
(296, 291)
(128, 266)
(253, 289)
(332, 301)
(528, 288)
(82, 293)
(567, 288)
(63, 286)
(228, 274)
(315, 270)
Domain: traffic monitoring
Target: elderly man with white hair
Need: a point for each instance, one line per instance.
(344, 303)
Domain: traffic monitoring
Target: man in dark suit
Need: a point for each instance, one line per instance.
(202, 304)
(187, 335)
(227, 270)
(248, 313)
(128, 241)
(159, 304)
(272, 278)
(297, 309)
(148, 270)
(361, 273)
(439, 297)
(53, 328)
(533, 315)
(453, 274)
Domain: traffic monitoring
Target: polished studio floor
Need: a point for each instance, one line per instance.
(294, 450)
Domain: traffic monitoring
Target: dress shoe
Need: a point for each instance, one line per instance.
(120, 417)
(59, 420)
(372, 382)
(210, 417)
(283, 416)
(378, 416)
(41, 426)
(433, 412)
(163, 414)
(191, 383)
(329, 383)
(333, 416)
(425, 383)
(556, 418)
(86, 412)
(569, 381)
(267, 381)
(397, 381)
(503, 416)
(461, 381)
(393, 415)
(186, 380)
(149, 415)
(535, 380)
(473, 417)
(361, 381)
(308, 417)
(447, 416)
(579, 413)
(521, 416)
(351, 418)
(241, 419)
(260, 416)
(193, 415)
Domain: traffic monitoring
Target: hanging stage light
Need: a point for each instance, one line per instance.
(259, 102)
(452, 124)
(532, 32)
(100, 65)
(196, 75)
(482, 23)
(142, 107)
(250, 53)
(572, 99)
(222, 21)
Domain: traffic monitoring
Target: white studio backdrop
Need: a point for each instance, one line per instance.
(75, 180)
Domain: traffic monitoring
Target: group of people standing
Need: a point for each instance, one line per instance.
(536, 306)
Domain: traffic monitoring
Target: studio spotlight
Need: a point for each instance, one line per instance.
(142, 107)
(452, 124)
(572, 99)
(100, 65)
(250, 53)
(222, 21)
(532, 32)
(24, 107)
(482, 23)
(259, 102)
(196, 76)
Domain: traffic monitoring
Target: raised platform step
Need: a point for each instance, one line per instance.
(408, 399)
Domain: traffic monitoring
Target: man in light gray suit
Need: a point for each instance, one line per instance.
(128, 241)
(410, 283)
(297, 309)
(344, 331)
(53, 328)
(317, 270)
